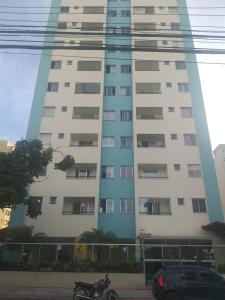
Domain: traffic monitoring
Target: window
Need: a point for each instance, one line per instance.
(146, 65)
(62, 25)
(60, 136)
(168, 84)
(126, 69)
(110, 69)
(175, 26)
(183, 87)
(173, 9)
(186, 112)
(154, 206)
(146, 44)
(69, 62)
(108, 141)
(190, 140)
(111, 13)
(126, 142)
(148, 88)
(126, 172)
(176, 167)
(67, 84)
(110, 91)
(125, 13)
(64, 9)
(107, 172)
(87, 88)
(56, 64)
(52, 200)
(173, 136)
(90, 43)
(125, 115)
(180, 65)
(171, 109)
(180, 201)
(144, 26)
(189, 275)
(91, 26)
(83, 65)
(125, 30)
(125, 90)
(166, 63)
(45, 138)
(144, 10)
(199, 205)
(211, 278)
(48, 111)
(109, 115)
(64, 108)
(106, 206)
(53, 87)
(35, 204)
(194, 170)
(93, 10)
(126, 206)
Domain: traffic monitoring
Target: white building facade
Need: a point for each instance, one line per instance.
(122, 98)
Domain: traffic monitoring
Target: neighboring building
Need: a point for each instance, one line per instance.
(133, 120)
(219, 156)
(5, 146)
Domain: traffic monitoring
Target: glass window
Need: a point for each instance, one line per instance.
(126, 172)
(111, 13)
(91, 26)
(106, 206)
(180, 201)
(126, 142)
(52, 200)
(175, 26)
(210, 277)
(48, 111)
(45, 138)
(109, 115)
(199, 205)
(173, 9)
(125, 13)
(190, 140)
(144, 26)
(144, 10)
(64, 9)
(126, 90)
(107, 172)
(186, 112)
(126, 205)
(155, 206)
(56, 64)
(83, 65)
(125, 115)
(87, 88)
(108, 141)
(194, 170)
(110, 91)
(126, 69)
(146, 65)
(61, 136)
(53, 87)
(183, 87)
(62, 25)
(110, 69)
(180, 65)
(148, 88)
(93, 10)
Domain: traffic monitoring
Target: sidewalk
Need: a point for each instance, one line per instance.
(63, 294)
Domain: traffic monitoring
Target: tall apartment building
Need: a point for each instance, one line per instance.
(5, 146)
(133, 120)
(219, 156)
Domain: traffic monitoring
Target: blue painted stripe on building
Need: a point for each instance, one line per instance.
(208, 168)
(18, 214)
(122, 224)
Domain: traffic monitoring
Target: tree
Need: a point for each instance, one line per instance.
(19, 168)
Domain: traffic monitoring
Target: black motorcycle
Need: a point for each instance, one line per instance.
(83, 290)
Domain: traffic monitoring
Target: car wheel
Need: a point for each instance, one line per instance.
(172, 296)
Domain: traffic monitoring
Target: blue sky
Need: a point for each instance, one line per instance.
(18, 76)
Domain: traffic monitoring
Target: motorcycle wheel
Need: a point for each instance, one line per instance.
(112, 295)
(80, 294)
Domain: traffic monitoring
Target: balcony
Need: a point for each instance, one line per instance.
(82, 171)
(151, 141)
(84, 140)
(86, 113)
(78, 206)
(154, 206)
(148, 171)
(149, 113)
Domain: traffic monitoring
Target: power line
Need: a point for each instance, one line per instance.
(103, 58)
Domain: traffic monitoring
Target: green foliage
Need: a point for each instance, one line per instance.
(67, 162)
(98, 236)
(76, 266)
(16, 234)
(221, 269)
(19, 168)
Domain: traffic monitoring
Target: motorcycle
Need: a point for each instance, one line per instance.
(84, 290)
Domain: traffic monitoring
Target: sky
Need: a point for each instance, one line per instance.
(18, 74)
